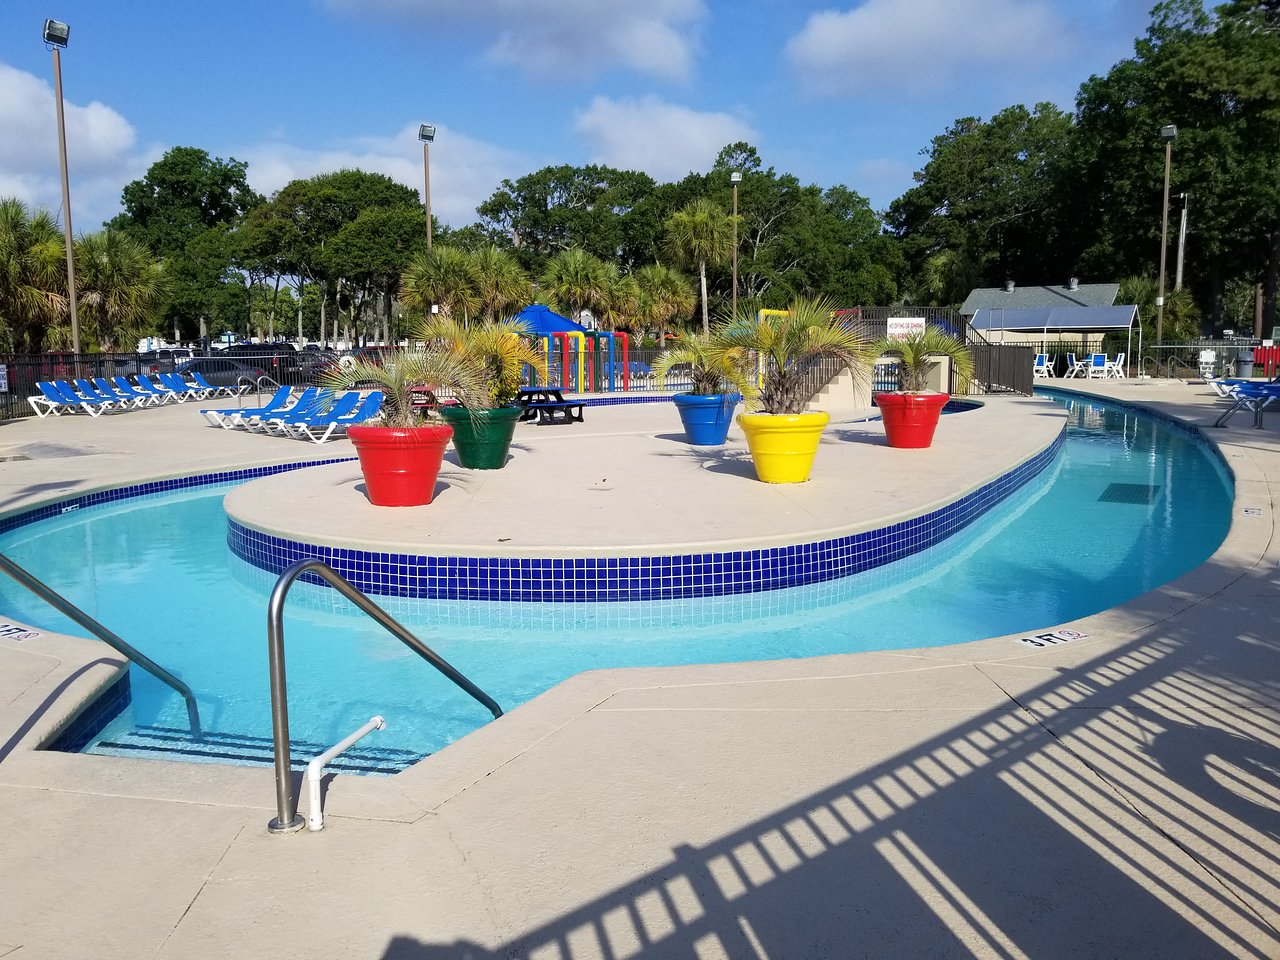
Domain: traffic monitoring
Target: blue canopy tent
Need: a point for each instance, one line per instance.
(542, 320)
(1042, 320)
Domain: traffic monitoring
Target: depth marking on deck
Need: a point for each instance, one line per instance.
(11, 631)
(1253, 511)
(1051, 639)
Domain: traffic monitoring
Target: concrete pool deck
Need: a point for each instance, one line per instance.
(1115, 795)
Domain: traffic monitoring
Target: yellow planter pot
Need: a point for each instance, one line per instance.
(783, 445)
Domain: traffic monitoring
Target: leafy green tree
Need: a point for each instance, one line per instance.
(701, 233)
(1216, 76)
(33, 268)
(989, 197)
(559, 208)
(121, 290)
(181, 195)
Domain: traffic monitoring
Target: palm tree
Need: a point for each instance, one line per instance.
(399, 376)
(444, 276)
(1181, 315)
(122, 291)
(501, 348)
(789, 349)
(665, 296)
(918, 354)
(33, 268)
(575, 281)
(700, 233)
(711, 370)
(621, 301)
(501, 283)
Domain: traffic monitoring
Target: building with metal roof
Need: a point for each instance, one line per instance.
(1013, 297)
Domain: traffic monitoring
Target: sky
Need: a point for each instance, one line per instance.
(847, 94)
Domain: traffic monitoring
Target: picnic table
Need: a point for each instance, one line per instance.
(548, 405)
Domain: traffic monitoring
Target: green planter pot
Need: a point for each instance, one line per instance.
(482, 445)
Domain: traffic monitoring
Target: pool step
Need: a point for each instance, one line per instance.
(175, 743)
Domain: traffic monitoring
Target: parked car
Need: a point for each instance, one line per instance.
(280, 360)
(221, 371)
(164, 360)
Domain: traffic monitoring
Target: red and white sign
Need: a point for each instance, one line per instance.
(902, 327)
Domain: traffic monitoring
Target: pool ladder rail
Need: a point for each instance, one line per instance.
(287, 819)
(71, 611)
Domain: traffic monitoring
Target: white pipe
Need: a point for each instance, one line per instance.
(315, 816)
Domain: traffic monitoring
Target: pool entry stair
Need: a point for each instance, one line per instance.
(174, 743)
(68, 609)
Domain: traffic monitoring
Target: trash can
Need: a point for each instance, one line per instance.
(1244, 363)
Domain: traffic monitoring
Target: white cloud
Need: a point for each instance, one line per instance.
(101, 151)
(664, 140)
(563, 38)
(924, 48)
(464, 171)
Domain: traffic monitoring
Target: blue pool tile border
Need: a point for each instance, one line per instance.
(100, 497)
(663, 577)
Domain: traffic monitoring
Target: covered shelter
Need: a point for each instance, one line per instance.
(542, 320)
(1034, 324)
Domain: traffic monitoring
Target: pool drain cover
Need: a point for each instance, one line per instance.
(1129, 493)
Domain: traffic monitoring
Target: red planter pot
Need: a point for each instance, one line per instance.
(400, 466)
(910, 418)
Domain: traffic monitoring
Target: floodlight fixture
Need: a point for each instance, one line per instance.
(56, 33)
(1168, 133)
(426, 133)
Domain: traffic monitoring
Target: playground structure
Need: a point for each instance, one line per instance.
(589, 361)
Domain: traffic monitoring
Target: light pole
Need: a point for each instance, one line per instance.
(427, 133)
(735, 178)
(1184, 201)
(56, 35)
(1167, 135)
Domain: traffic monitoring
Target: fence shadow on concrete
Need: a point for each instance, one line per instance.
(1124, 808)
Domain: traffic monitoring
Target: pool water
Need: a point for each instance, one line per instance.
(1130, 503)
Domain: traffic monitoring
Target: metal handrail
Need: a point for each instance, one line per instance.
(287, 819)
(68, 609)
(257, 384)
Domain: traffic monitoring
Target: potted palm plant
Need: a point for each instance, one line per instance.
(482, 436)
(400, 454)
(794, 351)
(911, 413)
(720, 380)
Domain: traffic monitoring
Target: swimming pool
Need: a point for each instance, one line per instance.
(1110, 519)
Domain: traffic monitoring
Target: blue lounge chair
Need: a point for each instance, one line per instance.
(52, 401)
(127, 388)
(1042, 368)
(320, 428)
(126, 392)
(87, 388)
(198, 378)
(311, 400)
(233, 418)
(164, 393)
(70, 393)
(325, 405)
(185, 391)
(1251, 396)
(1097, 366)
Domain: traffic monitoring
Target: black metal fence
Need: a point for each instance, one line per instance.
(1000, 367)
